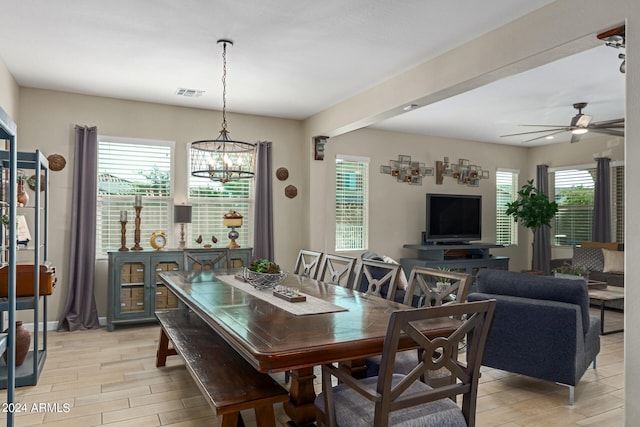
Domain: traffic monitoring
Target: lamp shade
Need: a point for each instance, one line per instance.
(182, 214)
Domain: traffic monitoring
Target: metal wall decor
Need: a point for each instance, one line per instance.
(318, 146)
(406, 170)
(464, 172)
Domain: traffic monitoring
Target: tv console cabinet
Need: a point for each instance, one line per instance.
(464, 258)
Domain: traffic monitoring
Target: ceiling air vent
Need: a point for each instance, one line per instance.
(189, 93)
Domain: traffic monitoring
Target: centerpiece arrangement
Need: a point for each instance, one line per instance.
(263, 274)
(571, 271)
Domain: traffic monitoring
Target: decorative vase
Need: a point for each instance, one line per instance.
(23, 197)
(23, 341)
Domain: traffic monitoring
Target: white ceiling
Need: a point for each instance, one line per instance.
(295, 58)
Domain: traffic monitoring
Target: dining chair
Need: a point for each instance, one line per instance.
(394, 399)
(427, 287)
(432, 287)
(377, 278)
(337, 270)
(206, 259)
(308, 263)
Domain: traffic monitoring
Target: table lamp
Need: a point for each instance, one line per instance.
(232, 220)
(182, 215)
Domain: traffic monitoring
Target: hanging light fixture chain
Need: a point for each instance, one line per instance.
(224, 86)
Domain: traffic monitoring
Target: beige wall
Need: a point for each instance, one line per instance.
(49, 117)
(9, 92)
(397, 210)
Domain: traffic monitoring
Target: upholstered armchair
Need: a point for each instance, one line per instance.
(541, 328)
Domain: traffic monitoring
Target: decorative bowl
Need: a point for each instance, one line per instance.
(263, 280)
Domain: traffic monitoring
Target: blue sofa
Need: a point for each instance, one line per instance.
(541, 327)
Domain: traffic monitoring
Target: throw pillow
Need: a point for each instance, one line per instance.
(402, 278)
(613, 261)
(589, 258)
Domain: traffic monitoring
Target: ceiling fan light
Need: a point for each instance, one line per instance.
(579, 131)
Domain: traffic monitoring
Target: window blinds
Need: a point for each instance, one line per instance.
(352, 203)
(127, 169)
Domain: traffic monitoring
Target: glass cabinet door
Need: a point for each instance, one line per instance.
(132, 289)
(164, 298)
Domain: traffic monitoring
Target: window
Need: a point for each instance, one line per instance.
(506, 192)
(210, 201)
(127, 168)
(352, 203)
(574, 192)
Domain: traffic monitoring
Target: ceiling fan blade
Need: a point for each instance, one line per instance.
(608, 123)
(606, 131)
(544, 136)
(538, 131)
(547, 126)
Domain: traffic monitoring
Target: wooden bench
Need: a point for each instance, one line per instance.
(228, 382)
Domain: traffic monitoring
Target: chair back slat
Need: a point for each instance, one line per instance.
(308, 263)
(206, 259)
(377, 278)
(337, 270)
(431, 287)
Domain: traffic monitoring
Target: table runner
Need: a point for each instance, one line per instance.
(312, 305)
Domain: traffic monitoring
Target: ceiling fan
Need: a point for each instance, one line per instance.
(579, 125)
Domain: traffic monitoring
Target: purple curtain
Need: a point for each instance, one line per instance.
(601, 230)
(542, 235)
(263, 217)
(80, 309)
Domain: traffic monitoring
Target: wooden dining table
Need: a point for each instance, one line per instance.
(273, 339)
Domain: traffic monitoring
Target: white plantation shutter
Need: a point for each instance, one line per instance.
(574, 191)
(506, 192)
(352, 203)
(617, 193)
(126, 169)
(210, 201)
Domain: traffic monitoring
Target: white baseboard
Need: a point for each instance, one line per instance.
(53, 325)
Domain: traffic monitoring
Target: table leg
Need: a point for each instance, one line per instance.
(602, 331)
(163, 350)
(300, 407)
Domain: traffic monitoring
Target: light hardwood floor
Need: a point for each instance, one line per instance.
(109, 378)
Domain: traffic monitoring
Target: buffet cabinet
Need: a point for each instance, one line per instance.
(135, 289)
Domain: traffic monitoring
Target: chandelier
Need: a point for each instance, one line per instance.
(223, 159)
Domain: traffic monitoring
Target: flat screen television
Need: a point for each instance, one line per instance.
(453, 218)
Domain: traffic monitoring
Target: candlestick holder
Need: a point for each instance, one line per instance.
(136, 234)
(123, 236)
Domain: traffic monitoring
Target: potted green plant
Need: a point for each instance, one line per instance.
(263, 273)
(571, 271)
(22, 196)
(443, 283)
(532, 209)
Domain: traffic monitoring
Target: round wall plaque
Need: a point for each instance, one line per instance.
(290, 191)
(282, 174)
(56, 162)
